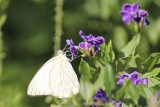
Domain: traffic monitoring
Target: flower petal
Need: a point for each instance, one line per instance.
(135, 7)
(144, 81)
(143, 13)
(127, 7)
(134, 76)
(137, 19)
(82, 45)
(70, 42)
(82, 34)
(120, 82)
(113, 101)
(96, 49)
(99, 40)
(146, 22)
(101, 95)
(126, 19)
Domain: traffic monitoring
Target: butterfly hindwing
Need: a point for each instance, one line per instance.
(39, 85)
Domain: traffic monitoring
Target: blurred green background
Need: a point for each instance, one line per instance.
(28, 33)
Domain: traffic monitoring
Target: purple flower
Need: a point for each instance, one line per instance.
(101, 95)
(134, 77)
(129, 11)
(142, 14)
(88, 49)
(117, 103)
(122, 77)
(96, 41)
(113, 101)
(132, 12)
(73, 48)
(144, 81)
(91, 44)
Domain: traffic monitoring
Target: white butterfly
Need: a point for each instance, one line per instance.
(56, 77)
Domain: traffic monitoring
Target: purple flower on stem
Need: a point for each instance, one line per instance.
(88, 49)
(96, 41)
(142, 15)
(101, 95)
(134, 77)
(129, 11)
(91, 44)
(73, 48)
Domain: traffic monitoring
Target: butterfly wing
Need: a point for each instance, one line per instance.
(39, 85)
(64, 82)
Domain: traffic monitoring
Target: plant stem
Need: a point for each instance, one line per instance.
(58, 25)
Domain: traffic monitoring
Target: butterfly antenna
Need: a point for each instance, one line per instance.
(64, 48)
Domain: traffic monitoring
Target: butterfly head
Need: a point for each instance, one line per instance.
(60, 52)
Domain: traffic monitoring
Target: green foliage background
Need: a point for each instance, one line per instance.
(28, 33)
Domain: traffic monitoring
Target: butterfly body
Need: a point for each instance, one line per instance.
(56, 77)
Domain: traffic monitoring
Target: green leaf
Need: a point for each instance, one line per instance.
(109, 53)
(125, 63)
(86, 89)
(144, 91)
(120, 93)
(122, 63)
(103, 48)
(153, 73)
(141, 91)
(131, 92)
(153, 82)
(150, 62)
(138, 61)
(130, 48)
(106, 80)
(84, 69)
(148, 92)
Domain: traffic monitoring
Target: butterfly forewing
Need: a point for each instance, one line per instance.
(64, 83)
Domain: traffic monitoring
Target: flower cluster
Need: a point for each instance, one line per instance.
(134, 77)
(101, 98)
(101, 95)
(90, 46)
(131, 11)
